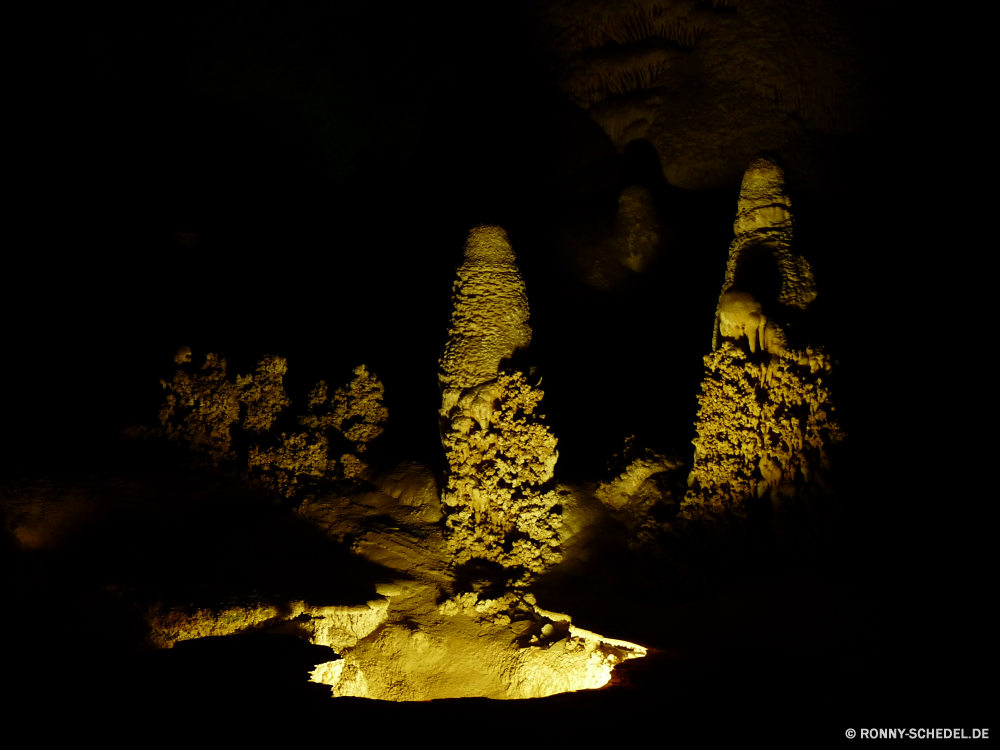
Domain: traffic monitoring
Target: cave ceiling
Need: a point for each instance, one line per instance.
(295, 181)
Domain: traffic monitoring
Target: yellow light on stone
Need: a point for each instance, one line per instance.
(473, 649)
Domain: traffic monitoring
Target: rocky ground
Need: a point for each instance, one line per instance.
(144, 598)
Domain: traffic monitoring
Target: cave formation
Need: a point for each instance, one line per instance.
(277, 253)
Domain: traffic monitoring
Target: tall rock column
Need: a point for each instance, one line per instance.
(764, 274)
(765, 418)
(501, 455)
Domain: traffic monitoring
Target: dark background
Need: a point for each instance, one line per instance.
(330, 160)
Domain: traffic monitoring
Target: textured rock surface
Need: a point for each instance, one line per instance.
(764, 429)
(489, 321)
(500, 454)
(398, 636)
(206, 410)
(741, 315)
(633, 486)
(764, 275)
(637, 229)
(201, 408)
(500, 507)
(336, 627)
(503, 648)
(608, 253)
(710, 84)
(765, 417)
(353, 413)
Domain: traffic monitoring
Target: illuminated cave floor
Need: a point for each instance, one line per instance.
(110, 574)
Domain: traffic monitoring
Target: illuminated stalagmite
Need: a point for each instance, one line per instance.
(763, 270)
(765, 417)
(500, 453)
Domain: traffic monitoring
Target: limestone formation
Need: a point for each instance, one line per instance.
(337, 627)
(504, 648)
(210, 413)
(263, 395)
(629, 484)
(402, 626)
(642, 491)
(764, 430)
(354, 413)
(501, 455)
(764, 275)
(707, 83)
(489, 321)
(765, 419)
(741, 315)
(201, 408)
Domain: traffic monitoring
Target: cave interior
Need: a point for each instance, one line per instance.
(271, 179)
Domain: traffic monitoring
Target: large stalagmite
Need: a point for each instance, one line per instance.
(489, 321)
(765, 419)
(500, 454)
(705, 84)
(764, 274)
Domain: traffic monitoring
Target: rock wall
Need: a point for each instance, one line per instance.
(609, 255)
(706, 84)
(637, 229)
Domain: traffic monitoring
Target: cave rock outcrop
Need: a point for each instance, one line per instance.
(500, 453)
(765, 419)
(707, 84)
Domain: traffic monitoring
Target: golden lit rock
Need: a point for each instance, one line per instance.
(353, 413)
(201, 409)
(337, 627)
(500, 453)
(264, 394)
(471, 571)
(498, 506)
(741, 315)
(765, 416)
(764, 275)
(502, 648)
(204, 409)
(709, 84)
